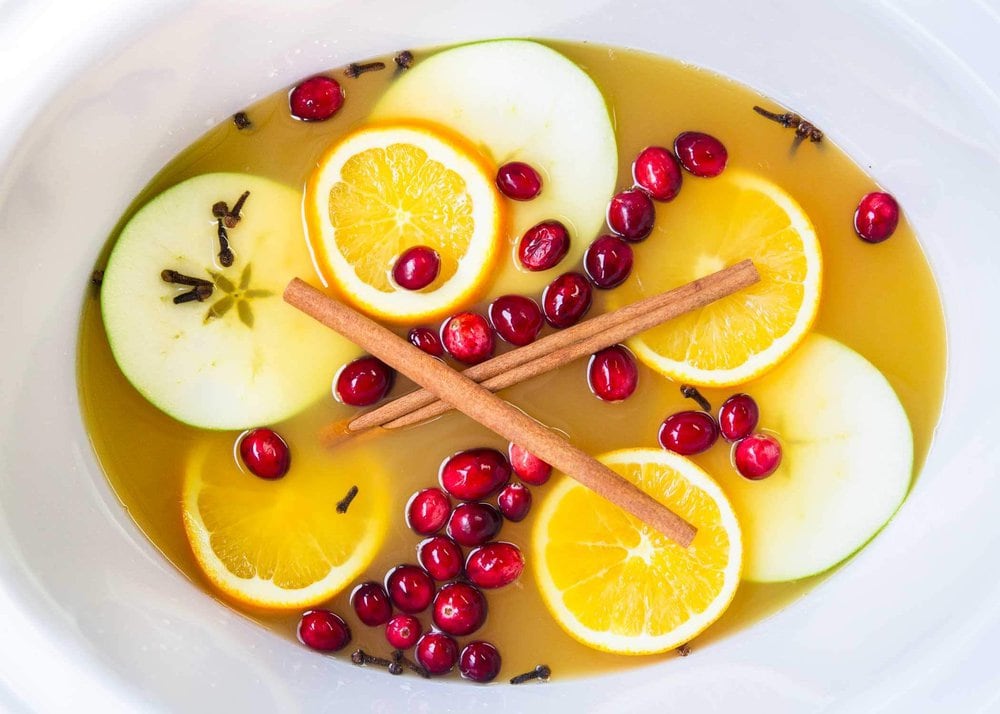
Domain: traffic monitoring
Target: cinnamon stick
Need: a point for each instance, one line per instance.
(486, 408)
(557, 349)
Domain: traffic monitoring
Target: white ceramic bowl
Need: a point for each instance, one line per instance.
(97, 98)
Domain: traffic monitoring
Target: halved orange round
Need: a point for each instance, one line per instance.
(281, 544)
(711, 225)
(389, 187)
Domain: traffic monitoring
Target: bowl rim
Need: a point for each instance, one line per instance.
(973, 92)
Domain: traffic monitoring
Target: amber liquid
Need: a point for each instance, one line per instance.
(880, 300)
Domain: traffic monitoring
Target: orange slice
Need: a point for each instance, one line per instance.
(386, 188)
(711, 225)
(281, 544)
(617, 585)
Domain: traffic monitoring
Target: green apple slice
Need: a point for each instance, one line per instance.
(242, 357)
(522, 101)
(847, 461)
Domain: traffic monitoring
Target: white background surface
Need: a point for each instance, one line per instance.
(94, 617)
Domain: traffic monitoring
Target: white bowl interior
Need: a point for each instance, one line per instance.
(91, 601)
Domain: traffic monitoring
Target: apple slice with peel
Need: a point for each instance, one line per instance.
(847, 460)
(241, 357)
(522, 101)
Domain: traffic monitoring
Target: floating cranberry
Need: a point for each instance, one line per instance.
(877, 217)
(265, 454)
(468, 337)
(543, 246)
(688, 433)
(514, 502)
(436, 652)
(459, 609)
(323, 630)
(416, 267)
(738, 417)
(657, 170)
(403, 631)
(700, 154)
(316, 99)
(608, 261)
(527, 466)
(427, 511)
(473, 524)
(757, 456)
(631, 214)
(474, 473)
(516, 318)
(427, 340)
(612, 374)
(566, 300)
(410, 588)
(371, 604)
(441, 557)
(479, 661)
(519, 181)
(364, 381)
(494, 565)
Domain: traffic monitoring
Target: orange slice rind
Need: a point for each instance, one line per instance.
(281, 544)
(617, 585)
(711, 225)
(386, 188)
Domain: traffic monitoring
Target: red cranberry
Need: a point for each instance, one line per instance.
(479, 661)
(363, 382)
(876, 217)
(519, 181)
(403, 631)
(566, 300)
(494, 565)
(265, 453)
(543, 245)
(514, 502)
(516, 318)
(371, 604)
(468, 337)
(631, 214)
(316, 99)
(410, 588)
(427, 511)
(757, 456)
(612, 374)
(608, 261)
(441, 557)
(701, 154)
(657, 170)
(474, 473)
(738, 417)
(427, 340)
(473, 524)
(436, 652)
(324, 631)
(416, 267)
(527, 466)
(459, 609)
(688, 433)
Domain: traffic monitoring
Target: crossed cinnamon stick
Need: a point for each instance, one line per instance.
(445, 388)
